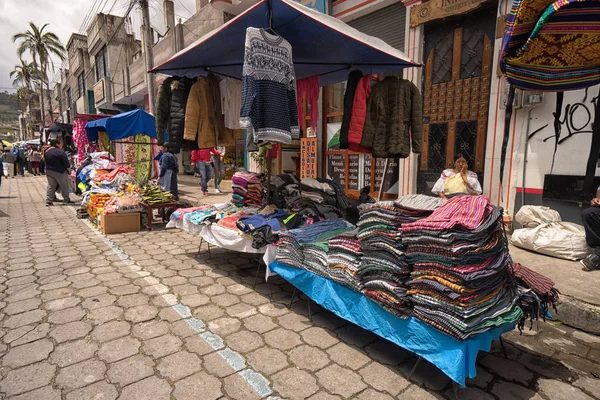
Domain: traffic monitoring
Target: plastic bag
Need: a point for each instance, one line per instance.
(557, 239)
(532, 216)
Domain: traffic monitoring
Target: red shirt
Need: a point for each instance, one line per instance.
(203, 155)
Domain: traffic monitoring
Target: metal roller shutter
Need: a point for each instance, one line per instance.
(387, 24)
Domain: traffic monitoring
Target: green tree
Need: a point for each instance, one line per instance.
(41, 45)
(24, 76)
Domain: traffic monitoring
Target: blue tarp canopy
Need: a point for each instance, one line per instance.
(321, 45)
(123, 125)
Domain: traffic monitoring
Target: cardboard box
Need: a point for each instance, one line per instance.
(120, 223)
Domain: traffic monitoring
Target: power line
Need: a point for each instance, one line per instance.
(184, 7)
(87, 17)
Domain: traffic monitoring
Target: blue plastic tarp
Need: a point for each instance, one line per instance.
(123, 125)
(321, 45)
(453, 357)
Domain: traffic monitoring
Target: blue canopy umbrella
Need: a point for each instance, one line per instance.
(321, 45)
(123, 125)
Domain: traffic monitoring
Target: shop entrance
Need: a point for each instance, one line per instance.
(456, 93)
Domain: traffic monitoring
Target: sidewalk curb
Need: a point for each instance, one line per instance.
(579, 314)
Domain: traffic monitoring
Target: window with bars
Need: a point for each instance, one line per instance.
(101, 64)
(81, 84)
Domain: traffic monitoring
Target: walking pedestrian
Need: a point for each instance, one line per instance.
(219, 167)
(169, 167)
(34, 159)
(21, 160)
(205, 167)
(8, 164)
(57, 172)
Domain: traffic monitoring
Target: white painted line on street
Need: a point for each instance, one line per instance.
(236, 361)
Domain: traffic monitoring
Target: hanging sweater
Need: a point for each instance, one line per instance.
(269, 110)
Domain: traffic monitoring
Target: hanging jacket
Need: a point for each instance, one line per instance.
(359, 115)
(394, 119)
(180, 91)
(200, 121)
(353, 79)
(163, 109)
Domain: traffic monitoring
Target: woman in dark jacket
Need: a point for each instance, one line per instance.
(169, 167)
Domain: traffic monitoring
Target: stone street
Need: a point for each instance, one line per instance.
(145, 316)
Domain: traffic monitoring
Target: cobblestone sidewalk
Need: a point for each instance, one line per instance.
(144, 316)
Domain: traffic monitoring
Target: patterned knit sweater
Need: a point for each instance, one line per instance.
(269, 109)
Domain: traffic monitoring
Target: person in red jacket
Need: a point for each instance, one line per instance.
(202, 159)
(359, 115)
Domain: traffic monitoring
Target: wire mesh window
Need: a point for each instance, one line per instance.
(471, 59)
(438, 137)
(442, 60)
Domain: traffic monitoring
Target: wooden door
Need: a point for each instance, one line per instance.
(456, 93)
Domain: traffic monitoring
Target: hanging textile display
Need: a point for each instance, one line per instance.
(269, 109)
(309, 87)
(143, 157)
(80, 139)
(231, 101)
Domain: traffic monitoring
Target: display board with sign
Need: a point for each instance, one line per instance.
(353, 171)
(308, 158)
(438, 9)
(336, 168)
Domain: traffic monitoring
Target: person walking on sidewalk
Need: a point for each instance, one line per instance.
(57, 172)
(219, 167)
(8, 164)
(34, 159)
(205, 167)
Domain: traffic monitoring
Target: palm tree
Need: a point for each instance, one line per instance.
(24, 75)
(41, 45)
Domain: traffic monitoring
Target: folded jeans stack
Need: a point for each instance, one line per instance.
(461, 280)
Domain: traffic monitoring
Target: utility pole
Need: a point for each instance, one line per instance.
(148, 52)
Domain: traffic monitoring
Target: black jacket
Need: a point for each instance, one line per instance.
(163, 109)
(179, 95)
(353, 79)
(56, 160)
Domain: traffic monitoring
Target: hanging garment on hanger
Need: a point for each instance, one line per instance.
(163, 109)
(394, 119)
(180, 91)
(231, 101)
(200, 117)
(359, 115)
(311, 87)
(351, 84)
(269, 110)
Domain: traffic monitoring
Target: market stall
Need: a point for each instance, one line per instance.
(452, 285)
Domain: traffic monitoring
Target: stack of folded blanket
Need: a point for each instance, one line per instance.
(461, 280)
(383, 268)
(247, 189)
(343, 261)
(326, 192)
(307, 247)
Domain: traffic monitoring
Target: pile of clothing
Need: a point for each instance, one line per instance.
(265, 226)
(343, 261)
(325, 192)
(537, 295)
(461, 281)
(383, 268)
(247, 189)
(284, 189)
(306, 247)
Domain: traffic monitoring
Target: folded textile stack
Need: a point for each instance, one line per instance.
(383, 268)
(199, 216)
(414, 207)
(461, 282)
(247, 189)
(307, 247)
(325, 191)
(537, 295)
(343, 261)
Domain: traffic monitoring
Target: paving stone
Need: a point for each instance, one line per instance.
(588, 384)
(80, 375)
(383, 379)
(241, 310)
(197, 345)
(216, 365)
(213, 290)
(131, 370)
(70, 353)
(508, 369)
(18, 307)
(324, 396)
(387, 352)
(198, 386)
(169, 314)
(225, 300)
(506, 390)
(414, 392)
(267, 360)
(309, 358)
(295, 322)
(110, 331)
(339, 380)
(208, 312)
(31, 377)
(71, 331)
(354, 334)
(259, 323)
(195, 300)
(371, 394)
(162, 346)
(557, 390)
(426, 374)
(141, 313)
(101, 390)
(124, 290)
(482, 380)
(149, 330)
(45, 393)
(469, 394)
(68, 315)
(102, 315)
(118, 349)
(58, 294)
(239, 289)
(295, 384)
(182, 329)
(26, 318)
(282, 339)
(27, 354)
(347, 356)
(179, 365)
(237, 388)
(224, 326)
(26, 334)
(245, 341)
(133, 300)
(255, 299)
(101, 301)
(23, 294)
(319, 337)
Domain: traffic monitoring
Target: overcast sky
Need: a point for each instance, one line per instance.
(66, 17)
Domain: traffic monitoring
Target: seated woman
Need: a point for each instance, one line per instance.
(457, 181)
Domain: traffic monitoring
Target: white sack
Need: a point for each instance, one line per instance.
(557, 239)
(532, 216)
